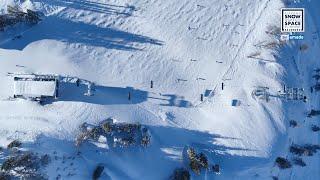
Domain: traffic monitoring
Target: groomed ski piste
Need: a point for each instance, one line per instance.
(186, 48)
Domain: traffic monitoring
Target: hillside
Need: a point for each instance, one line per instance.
(186, 48)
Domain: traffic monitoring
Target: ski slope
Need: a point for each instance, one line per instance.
(187, 48)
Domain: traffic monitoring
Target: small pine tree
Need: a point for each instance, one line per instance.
(283, 163)
(14, 144)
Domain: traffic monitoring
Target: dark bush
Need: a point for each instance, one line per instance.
(195, 166)
(316, 77)
(312, 148)
(22, 165)
(145, 141)
(313, 113)
(315, 128)
(13, 144)
(283, 163)
(203, 160)
(45, 160)
(32, 17)
(26, 161)
(82, 137)
(297, 150)
(95, 133)
(197, 161)
(293, 123)
(317, 87)
(307, 150)
(97, 172)
(16, 15)
(118, 134)
(304, 47)
(299, 162)
(4, 176)
(107, 127)
(180, 174)
(216, 168)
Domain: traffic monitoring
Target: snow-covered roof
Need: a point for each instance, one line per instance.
(31, 88)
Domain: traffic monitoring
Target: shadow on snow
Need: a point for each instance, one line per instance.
(56, 28)
(103, 95)
(155, 159)
(106, 95)
(108, 9)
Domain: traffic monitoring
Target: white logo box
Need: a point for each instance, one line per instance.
(292, 20)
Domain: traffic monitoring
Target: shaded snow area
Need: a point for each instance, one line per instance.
(147, 64)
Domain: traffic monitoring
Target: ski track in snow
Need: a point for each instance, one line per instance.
(231, 67)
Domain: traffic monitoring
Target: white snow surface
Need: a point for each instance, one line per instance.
(187, 48)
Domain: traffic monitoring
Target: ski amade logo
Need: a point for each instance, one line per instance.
(292, 23)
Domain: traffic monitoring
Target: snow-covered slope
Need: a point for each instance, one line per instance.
(187, 48)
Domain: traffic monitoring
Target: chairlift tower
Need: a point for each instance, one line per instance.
(262, 93)
(288, 94)
(295, 94)
(90, 89)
